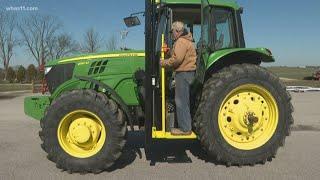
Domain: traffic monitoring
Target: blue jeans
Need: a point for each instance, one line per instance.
(182, 100)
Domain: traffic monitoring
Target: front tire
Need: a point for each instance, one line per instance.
(83, 131)
(244, 115)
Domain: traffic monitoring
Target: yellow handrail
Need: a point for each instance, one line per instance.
(163, 89)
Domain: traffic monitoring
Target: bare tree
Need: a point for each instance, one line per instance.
(61, 46)
(38, 31)
(7, 39)
(112, 43)
(92, 41)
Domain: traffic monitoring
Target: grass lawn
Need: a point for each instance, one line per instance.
(294, 76)
(292, 72)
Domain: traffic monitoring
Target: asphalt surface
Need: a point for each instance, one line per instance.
(22, 158)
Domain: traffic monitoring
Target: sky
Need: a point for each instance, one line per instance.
(290, 28)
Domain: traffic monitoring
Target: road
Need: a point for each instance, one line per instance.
(22, 158)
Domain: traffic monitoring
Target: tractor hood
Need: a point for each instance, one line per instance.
(87, 57)
(97, 66)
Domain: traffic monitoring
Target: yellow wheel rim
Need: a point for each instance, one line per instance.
(248, 117)
(81, 134)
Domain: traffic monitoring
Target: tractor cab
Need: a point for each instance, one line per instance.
(214, 27)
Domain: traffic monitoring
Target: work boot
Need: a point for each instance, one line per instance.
(178, 132)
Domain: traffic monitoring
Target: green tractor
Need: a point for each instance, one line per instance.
(241, 112)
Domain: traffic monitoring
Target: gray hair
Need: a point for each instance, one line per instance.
(178, 26)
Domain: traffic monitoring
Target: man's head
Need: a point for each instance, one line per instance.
(177, 29)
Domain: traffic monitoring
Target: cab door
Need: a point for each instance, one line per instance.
(205, 40)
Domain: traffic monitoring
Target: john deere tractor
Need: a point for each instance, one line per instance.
(241, 112)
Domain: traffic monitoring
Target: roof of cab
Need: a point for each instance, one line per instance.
(227, 3)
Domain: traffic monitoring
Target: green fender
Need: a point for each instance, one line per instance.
(69, 85)
(123, 85)
(227, 57)
(108, 90)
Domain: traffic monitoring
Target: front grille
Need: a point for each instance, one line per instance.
(58, 75)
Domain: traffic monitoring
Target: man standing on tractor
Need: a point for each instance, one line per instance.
(183, 61)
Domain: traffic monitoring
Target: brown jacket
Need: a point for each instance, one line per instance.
(183, 55)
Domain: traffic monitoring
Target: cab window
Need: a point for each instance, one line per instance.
(224, 36)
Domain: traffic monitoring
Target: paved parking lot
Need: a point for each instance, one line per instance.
(22, 158)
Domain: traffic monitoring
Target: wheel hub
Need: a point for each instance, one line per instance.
(81, 134)
(251, 119)
(248, 117)
(84, 132)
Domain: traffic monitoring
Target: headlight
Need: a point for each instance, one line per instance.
(47, 70)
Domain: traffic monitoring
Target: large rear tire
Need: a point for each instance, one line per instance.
(244, 115)
(83, 131)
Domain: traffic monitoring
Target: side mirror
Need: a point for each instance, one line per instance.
(132, 21)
